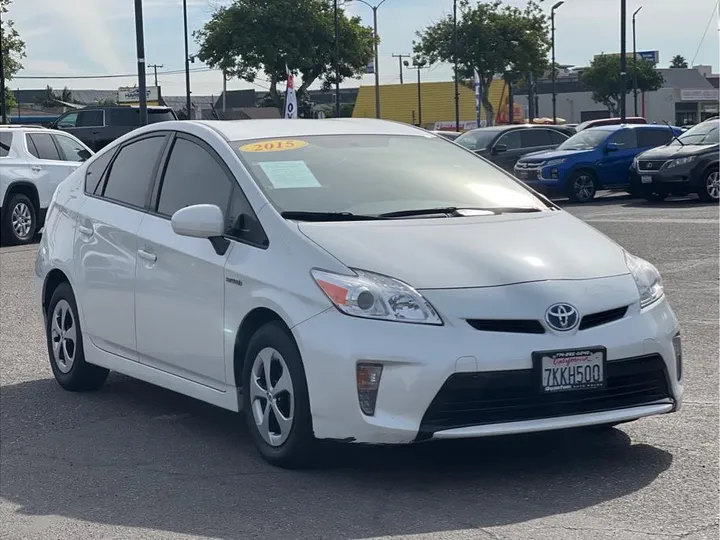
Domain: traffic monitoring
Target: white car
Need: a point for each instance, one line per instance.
(350, 280)
(33, 161)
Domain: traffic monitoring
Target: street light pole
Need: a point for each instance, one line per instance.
(3, 103)
(552, 43)
(623, 60)
(140, 45)
(375, 47)
(418, 65)
(188, 103)
(337, 60)
(455, 61)
(635, 89)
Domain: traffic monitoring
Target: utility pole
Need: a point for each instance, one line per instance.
(188, 103)
(337, 60)
(455, 61)
(140, 45)
(224, 101)
(553, 67)
(400, 61)
(3, 103)
(421, 64)
(155, 68)
(375, 47)
(635, 91)
(623, 60)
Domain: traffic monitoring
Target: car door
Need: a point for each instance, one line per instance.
(180, 287)
(89, 128)
(614, 167)
(47, 166)
(118, 187)
(507, 150)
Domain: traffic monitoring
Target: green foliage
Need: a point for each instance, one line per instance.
(678, 61)
(9, 99)
(14, 47)
(250, 37)
(602, 78)
(492, 38)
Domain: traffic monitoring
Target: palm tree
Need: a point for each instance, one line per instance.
(678, 61)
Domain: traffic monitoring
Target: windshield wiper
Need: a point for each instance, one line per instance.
(456, 211)
(326, 216)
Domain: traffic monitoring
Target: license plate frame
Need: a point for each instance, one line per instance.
(522, 175)
(646, 179)
(542, 360)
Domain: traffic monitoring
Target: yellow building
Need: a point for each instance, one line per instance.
(399, 102)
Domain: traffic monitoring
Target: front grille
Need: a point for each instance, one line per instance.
(603, 317)
(650, 165)
(514, 326)
(493, 397)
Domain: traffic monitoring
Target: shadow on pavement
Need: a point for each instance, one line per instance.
(139, 456)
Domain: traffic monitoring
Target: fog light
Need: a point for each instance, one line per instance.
(677, 345)
(554, 174)
(368, 382)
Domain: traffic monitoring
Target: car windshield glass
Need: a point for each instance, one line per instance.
(376, 174)
(477, 139)
(701, 134)
(585, 140)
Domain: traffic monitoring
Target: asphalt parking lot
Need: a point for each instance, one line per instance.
(135, 461)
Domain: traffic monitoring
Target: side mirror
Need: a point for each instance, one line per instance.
(499, 148)
(611, 147)
(84, 155)
(199, 221)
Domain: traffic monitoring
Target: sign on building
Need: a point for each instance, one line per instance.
(700, 94)
(130, 95)
(652, 56)
(370, 67)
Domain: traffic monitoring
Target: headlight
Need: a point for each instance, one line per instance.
(555, 162)
(635, 163)
(647, 278)
(680, 161)
(374, 296)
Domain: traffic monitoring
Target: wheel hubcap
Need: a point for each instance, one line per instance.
(272, 399)
(21, 220)
(713, 184)
(63, 334)
(584, 187)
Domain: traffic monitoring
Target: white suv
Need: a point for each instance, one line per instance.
(33, 161)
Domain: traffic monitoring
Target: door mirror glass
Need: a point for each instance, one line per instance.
(611, 147)
(499, 148)
(199, 221)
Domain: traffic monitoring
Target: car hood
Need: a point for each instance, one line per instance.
(545, 155)
(677, 151)
(474, 251)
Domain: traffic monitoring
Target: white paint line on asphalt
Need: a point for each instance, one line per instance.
(651, 220)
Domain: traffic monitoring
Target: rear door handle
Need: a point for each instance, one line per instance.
(85, 231)
(36, 168)
(151, 257)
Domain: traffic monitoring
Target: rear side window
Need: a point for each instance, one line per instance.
(90, 118)
(131, 174)
(160, 116)
(653, 137)
(42, 146)
(124, 117)
(95, 172)
(5, 143)
(535, 137)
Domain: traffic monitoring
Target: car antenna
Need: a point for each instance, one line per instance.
(672, 133)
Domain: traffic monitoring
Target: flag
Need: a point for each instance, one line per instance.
(290, 97)
(478, 101)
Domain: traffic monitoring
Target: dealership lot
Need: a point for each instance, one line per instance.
(136, 461)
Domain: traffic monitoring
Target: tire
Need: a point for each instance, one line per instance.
(655, 195)
(65, 346)
(19, 220)
(710, 192)
(582, 187)
(292, 444)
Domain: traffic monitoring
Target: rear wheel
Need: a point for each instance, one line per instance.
(19, 220)
(582, 187)
(710, 192)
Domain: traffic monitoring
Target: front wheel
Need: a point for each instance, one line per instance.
(582, 187)
(276, 402)
(710, 192)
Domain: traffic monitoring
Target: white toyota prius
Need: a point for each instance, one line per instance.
(350, 280)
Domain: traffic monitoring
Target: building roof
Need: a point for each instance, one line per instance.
(236, 99)
(684, 78)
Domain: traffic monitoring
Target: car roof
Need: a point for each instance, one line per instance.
(497, 129)
(615, 127)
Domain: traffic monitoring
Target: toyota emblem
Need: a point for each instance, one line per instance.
(562, 317)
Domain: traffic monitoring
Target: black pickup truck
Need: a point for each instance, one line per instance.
(99, 126)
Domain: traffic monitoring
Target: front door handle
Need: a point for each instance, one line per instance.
(36, 168)
(151, 257)
(85, 231)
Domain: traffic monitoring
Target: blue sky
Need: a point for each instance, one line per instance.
(97, 37)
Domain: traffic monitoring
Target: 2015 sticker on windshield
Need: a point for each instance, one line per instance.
(278, 145)
(289, 174)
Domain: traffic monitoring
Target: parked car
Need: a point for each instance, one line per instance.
(33, 161)
(449, 135)
(316, 275)
(596, 158)
(503, 145)
(688, 164)
(609, 122)
(99, 126)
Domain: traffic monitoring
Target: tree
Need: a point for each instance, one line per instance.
(48, 99)
(14, 50)
(249, 37)
(66, 95)
(492, 38)
(678, 61)
(602, 78)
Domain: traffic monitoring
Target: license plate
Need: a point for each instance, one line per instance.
(646, 179)
(522, 175)
(578, 369)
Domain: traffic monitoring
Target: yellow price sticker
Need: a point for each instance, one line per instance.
(279, 145)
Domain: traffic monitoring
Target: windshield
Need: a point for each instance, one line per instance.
(376, 174)
(478, 139)
(585, 140)
(702, 134)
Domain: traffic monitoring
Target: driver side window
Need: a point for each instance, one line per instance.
(626, 139)
(68, 121)
(511, 140)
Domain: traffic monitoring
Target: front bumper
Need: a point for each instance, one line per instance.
(420, 361)
(682, 178)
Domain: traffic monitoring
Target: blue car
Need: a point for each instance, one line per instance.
(596, 158)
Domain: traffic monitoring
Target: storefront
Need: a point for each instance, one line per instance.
(696, 105)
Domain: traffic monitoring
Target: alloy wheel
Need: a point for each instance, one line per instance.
(712, 184)
(64, 336)
(272, 399)
(21, 219)
(584, 187)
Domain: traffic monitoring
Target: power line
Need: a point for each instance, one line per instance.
(704, 33)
